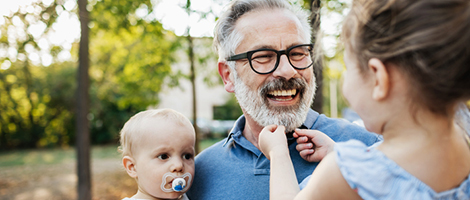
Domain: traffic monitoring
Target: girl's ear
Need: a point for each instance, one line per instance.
(129, 165)
(225, 73)
(381, 77)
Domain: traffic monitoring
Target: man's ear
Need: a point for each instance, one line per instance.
(129, 164)
(381, 77)
(225, 74)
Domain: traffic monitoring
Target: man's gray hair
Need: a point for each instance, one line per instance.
(227, 39)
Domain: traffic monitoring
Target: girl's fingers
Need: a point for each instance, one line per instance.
(271, 128)
(305, 146)
(306, 153)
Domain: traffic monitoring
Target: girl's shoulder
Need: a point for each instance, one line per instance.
(374, 176)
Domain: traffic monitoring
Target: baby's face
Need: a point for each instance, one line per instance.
(164, 152)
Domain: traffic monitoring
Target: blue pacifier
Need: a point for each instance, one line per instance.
(178, 184)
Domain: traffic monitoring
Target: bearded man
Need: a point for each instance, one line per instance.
(265, 58)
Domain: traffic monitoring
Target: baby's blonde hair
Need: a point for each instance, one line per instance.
(132, 128)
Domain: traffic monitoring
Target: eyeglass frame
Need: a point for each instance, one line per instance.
(248, 54)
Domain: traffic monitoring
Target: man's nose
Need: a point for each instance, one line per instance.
(284, 69)
(177, 165)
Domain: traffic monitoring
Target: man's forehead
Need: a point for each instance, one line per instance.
(265, 18)
(274, 29)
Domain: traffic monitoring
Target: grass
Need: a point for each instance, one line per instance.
(37, 156)
(34, 157)
(208, 142)
(50, 174)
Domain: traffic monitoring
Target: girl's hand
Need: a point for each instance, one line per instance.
(272, 138)
(313, 145)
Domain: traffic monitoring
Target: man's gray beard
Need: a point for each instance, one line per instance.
(256, 104)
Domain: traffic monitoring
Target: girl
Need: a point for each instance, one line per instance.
(408, 73)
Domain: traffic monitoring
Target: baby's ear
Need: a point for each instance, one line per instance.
(129, 165)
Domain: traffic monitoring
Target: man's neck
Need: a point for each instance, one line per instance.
(252, 130)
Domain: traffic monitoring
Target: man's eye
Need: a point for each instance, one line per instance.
(188, 156)
(298, 54)
(263, 56)
(266, 56)
(163, 156)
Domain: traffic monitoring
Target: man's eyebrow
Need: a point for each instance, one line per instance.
(266, 46)
(263, 46)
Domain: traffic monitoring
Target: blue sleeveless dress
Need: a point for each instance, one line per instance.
(374, 176)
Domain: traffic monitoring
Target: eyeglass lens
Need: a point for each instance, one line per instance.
(265, 61)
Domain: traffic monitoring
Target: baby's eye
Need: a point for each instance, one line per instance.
(188, 156)
(163, 156)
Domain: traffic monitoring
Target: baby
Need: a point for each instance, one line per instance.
(158, 152)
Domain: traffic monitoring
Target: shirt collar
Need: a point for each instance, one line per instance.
(239, 125)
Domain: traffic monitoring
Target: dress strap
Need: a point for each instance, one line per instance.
(467, 138)
(462, 116)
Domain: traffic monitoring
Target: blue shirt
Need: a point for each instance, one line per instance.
(235, 169)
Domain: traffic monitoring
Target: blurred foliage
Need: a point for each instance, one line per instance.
(35, 102)
(333, 66)
(205, 61)
(229, 111)
(130, 54)
(130, 60)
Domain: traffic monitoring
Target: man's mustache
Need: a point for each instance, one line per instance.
(283, 84)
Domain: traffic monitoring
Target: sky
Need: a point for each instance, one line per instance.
(64, 32)
(67, 28)
(169, 12)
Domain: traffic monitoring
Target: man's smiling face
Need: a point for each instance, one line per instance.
(284, 96)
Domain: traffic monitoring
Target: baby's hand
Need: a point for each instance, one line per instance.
(272, 137)
(313, 145)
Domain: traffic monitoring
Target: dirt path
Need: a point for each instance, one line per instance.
(59, 181)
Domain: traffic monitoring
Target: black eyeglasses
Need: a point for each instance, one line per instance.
(265, 61)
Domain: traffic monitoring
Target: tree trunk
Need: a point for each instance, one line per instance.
(192, 77)
(82, 124)
(317, 68)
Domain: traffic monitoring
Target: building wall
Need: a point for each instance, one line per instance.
(180, 98)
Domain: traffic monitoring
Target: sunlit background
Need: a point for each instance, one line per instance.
(170, 13)
(66, 30)
(139, 59)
